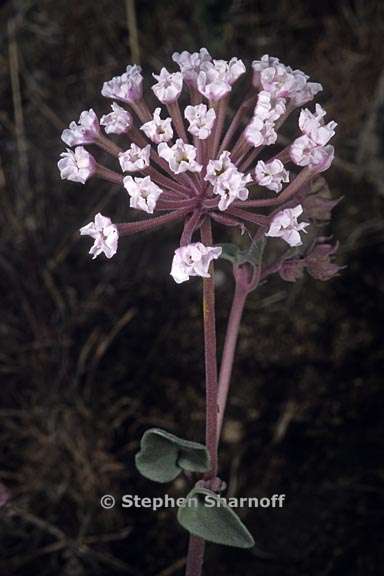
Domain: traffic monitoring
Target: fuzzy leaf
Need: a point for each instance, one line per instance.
(254, 253)
(216, 523)
(163, 456)
(230, 252)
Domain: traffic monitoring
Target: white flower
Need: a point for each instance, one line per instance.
(85, 132)
(231, 70)
(135, 158)
(259, 65)
(77, 165)
(300, 151)
(313, 126)
(213, 82)
(306, 94)
(216, 168)
(280, 80)
(310, 149)
(105, 235)
(118, 121)
(143, 192)
(180, 156)
(260, 132)
(268, 107)
(230, 186)
(190, 64)
(193, 260)
(201, 120)
(158, 130)
(271, 174)
(128, 87)
(285, 225)
(168, 86)
(303, 152)
(321, 158)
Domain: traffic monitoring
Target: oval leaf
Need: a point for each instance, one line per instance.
(163, 456)
(213, 520)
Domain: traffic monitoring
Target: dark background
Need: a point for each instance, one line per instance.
(93, 353)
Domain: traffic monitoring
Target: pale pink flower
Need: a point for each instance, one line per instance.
(280, 80)
(321, 158)
(201, 120)
(143, 193)
(190, 64)
(271, 174)
(304, 152)
(135, 158)
(231, 70)
(77, 165)
(230, 186)
(260, 132)
(313, 126)
(208, 179)
(180, 157)
(168, 86)
(259, 65)
(105, 235)
(158, 130)
(285, 225)
(128, 87)
(306, 94)
(213, 82)
(193, 260)
(85, 132)
(216, 168)
(118, 121)
(268, 107)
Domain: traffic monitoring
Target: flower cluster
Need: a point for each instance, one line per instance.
(199, 165)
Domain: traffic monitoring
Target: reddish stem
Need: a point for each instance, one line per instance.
(259, 219)
(236, 122)
(301, 179)
(195, 558)
(210, 354)
(175, 113)
(189, 227)
(196, 545)
(129, 228)
(239, 298)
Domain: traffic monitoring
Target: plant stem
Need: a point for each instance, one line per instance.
(231, 337)
(197, 545)
(211, 387)
(195, 558)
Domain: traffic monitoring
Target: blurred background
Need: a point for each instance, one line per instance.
(94, 352)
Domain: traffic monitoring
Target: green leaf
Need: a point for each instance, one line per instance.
(230, 252)
(254, 253)
(163, 456)
(207, 515)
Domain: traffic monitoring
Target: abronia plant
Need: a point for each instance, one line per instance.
(191, 160)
